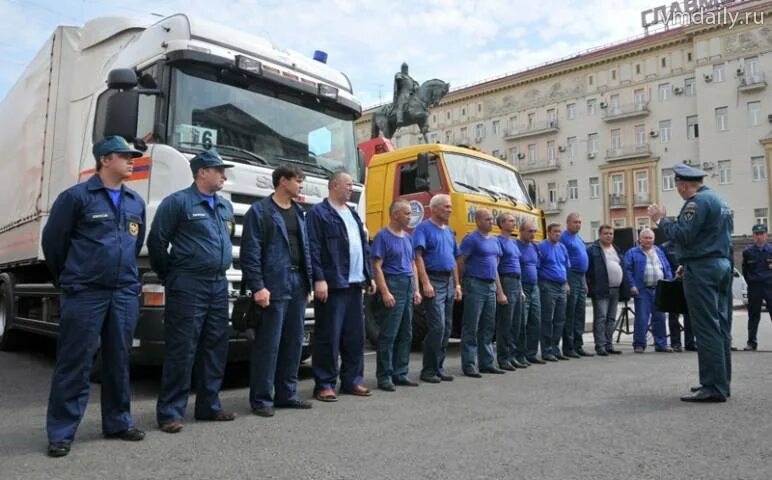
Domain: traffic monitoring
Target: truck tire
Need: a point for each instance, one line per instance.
(371, 326)
(9, 339)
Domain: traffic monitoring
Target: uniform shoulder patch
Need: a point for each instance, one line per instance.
(690, 209)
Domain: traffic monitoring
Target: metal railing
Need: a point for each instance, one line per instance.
(628, 151)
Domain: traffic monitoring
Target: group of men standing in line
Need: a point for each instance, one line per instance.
(531, 294)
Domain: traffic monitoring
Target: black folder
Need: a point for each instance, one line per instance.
(669, 296)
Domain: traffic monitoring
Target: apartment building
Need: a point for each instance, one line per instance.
(600, 132)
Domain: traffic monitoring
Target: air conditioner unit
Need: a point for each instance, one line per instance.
(591, 155)
(603, 104)
(653, 133)
(739, 72)
(503, 156)
(688, 162)
(769, 118)
(707, 165)
(708, 77)
(521, 156)
(561, 148)
(678, 90)
(562, 200)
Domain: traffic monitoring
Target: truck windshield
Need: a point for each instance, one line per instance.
(473, 175)
(260, 124)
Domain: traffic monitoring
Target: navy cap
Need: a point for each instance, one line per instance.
(114, 144)
(207, 159)
(687, 173)
(760, 228)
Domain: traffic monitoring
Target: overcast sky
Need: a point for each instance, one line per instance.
(460, 41)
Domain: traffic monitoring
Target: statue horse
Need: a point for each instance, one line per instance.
(416, 111)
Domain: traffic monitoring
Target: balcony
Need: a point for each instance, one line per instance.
(538, 128)
(538, 166)
(750, 82)
(551, 208)
(628, 152)
(617, 200)
(620, 112)
(642, 199)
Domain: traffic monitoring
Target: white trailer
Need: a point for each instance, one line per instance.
(178, 85)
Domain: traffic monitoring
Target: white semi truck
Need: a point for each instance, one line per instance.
(177, 86)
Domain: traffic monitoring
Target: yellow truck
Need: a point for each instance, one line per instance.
(473, 180)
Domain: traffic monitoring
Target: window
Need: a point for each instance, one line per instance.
(552, 193)
(479, 107)
(639, 96)
(752, 68)
(637, 68)
(571, 111)
(463, 111)
(724, 172)
(479, 131)
(407, 178)
(590, 80)
(617, 184)
(531, 120)
(665, 90)
(719, 72)
(552, 154)
(571, 147)
(447, 115)
(552, 116)
(722, 119)
(668, 179)
(754, 114)
(640, 135)
(689, 57)
(664, 131)
(573, 189)
(496, 127)
(614, 104)
(642, 181)
(594, 227)
(464, 136)
(642, 222)
(448, 137)
(434, 119)
(761, 217)
(619, 223)
(663, 62)
(513, 155)
(613, 74)
(689, 86)
(435, 137)
(592, 143)
(513, 123)
(759, 168)
(692, 129)
(591, 106)
(616, 140)
(594, 188)
(532, 153)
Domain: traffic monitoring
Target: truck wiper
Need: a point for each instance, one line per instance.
(466, 185)
(494, 194)
(251, 155)
(511, 198)
(307, 164)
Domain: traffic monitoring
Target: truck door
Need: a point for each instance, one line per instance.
(405, 188)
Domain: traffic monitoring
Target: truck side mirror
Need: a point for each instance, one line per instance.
(422, 173)
(122, 79)
(121, 114)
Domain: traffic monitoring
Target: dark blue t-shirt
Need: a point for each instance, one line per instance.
(209, 199)
(510, 256)
(115, 196)
(482, 256)
(577, 251)
(529, 262)
(396, 252)
(438, 245)
(554, 261)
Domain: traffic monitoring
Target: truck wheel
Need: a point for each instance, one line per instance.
(371, 326)
(9, 339)
(419, 326)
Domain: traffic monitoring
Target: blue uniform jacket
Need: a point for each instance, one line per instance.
(265, 254)
(597, 273)
(200, 237)
(703, 228)
(635, 265)
(329, 246)
(87, 242)
(757, 264)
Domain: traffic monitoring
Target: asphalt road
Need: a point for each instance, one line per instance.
(597, 418)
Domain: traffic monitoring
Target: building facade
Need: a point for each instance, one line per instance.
(600, 132)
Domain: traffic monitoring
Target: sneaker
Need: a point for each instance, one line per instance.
(751, 347)
(638, 350)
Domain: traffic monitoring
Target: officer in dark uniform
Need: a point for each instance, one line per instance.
(94, 233)
(702, 234)
(757, 270)
(198, 224)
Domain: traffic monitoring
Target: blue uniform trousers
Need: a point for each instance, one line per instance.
(645, 312)
(553, 315)
(396, 331)
(439, 321)
(86, 316)
(509, 322)
(576, 302)
(531, 320)
(478, 324)
(339, 332)
(757, 291)
(708, 292)
(195, 345)
(276, 350)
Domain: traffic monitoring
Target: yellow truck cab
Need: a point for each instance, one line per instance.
(473, 180)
